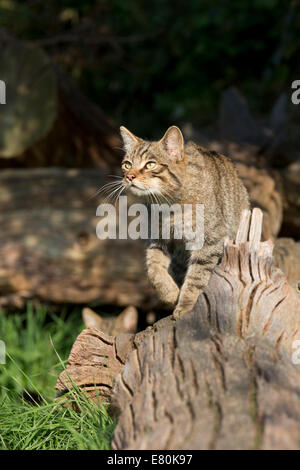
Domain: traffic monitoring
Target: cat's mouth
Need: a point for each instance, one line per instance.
(137, 190)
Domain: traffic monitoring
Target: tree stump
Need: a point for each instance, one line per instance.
(225, 375)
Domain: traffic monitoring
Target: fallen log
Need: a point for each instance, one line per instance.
(224, 376)
(49, 248)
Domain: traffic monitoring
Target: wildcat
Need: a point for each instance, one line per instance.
(184, 173)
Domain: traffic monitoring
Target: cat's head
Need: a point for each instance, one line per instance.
(153, 169)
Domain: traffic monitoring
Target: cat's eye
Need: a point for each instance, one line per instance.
(298, 286)
(150, 165)
(127, 165)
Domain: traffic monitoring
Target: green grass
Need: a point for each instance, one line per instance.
(29, 417)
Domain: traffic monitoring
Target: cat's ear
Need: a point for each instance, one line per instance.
(129, 139)
(91, 319)
(127, 321)
(173, 143)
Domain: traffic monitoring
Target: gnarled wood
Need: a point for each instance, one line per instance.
(186, 389)
(249, 284)
(222, 376)
(94, 361)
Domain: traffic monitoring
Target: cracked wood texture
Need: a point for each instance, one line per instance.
(94, 361)
(222, 376)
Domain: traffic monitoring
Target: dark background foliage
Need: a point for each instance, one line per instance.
(149, 64)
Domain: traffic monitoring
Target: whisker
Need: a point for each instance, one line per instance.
(115, 192)
(167, 196)
(104, 188)
(118, 148)
(156, 199)
(111, 186)
(118, 194)
(149, 192)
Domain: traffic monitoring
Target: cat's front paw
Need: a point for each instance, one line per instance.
(170, 297)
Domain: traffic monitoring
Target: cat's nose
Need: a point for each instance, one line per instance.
(131, 176)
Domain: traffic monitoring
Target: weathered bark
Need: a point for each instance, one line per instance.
(221, 377)
(184, 389)
(49, 247)
(94, 361)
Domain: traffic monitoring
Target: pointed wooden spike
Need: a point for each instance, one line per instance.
(226, 241)
(243, 230)
(255, 228)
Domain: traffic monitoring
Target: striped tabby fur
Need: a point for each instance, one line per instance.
(170, 170)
